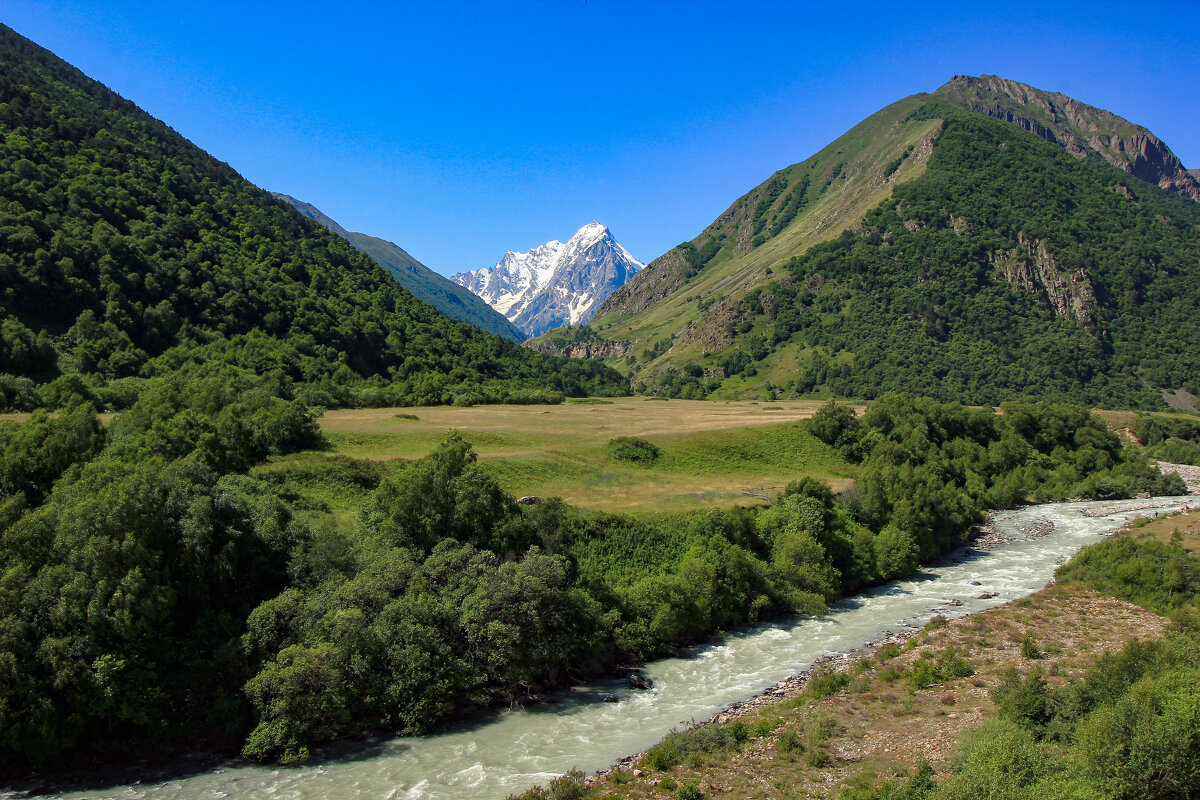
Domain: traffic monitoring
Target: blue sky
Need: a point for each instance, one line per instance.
(461, 130)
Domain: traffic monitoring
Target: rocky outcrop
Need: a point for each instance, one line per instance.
(1082, 129)
(589, 348)
(659, 280)
(1030, 267)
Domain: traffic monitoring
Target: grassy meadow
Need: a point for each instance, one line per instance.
(710, 451)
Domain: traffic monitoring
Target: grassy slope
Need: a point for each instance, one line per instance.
(864, 152)
(711, 451)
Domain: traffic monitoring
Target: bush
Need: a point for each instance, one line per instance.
(789, 742)
(825, 683)
(1029, 649)
(689, 791)
(948, 665)
(1025, 701)
(632, 450)
(819, 728)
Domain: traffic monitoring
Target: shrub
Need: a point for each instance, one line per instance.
(689, 791)
(789, 742)
(633, 450)
(763, 726)
(1029, 649)
(571, 786)
(1026, 701)
(818, 728)
(824, 683)
(947, 666)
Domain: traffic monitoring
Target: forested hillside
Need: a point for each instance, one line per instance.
(442, 293)
(127, 253)
(1005, 267)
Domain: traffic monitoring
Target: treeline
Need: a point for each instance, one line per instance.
(127, 253)
(157, 592)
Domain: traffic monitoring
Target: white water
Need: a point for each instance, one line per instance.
(520, 748)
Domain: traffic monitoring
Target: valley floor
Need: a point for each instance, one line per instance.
(712, 451)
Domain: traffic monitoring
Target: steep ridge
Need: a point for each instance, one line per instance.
(1072, 284)
(129, 253)
(555, 284)
(1082, 129)
(441, 293)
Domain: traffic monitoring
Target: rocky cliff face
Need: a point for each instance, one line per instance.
(592, 348)
(1082, 129)
(1031, 268)
(557, 283)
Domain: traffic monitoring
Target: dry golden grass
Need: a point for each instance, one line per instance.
(569, 425)
(1164, 529)
(711, 451)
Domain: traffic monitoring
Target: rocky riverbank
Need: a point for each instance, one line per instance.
(875, 724)
(1190, 474)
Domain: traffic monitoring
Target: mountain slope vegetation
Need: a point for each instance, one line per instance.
(442, 293)
(128, 254)
(992, 264)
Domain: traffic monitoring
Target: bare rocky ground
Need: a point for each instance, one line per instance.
(1190, 474)
(880, 725)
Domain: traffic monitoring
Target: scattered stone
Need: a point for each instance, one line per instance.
(1190, 474)
(610, 698)
(529, 500)
(637, 773)
(986, 595)
(973, 583)
(1130, 506)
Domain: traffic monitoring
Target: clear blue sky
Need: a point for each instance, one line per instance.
(462, 130)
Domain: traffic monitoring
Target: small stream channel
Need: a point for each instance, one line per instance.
(513, 750)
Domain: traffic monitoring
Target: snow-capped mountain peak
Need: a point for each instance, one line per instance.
(557, 283)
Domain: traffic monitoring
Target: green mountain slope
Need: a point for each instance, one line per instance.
(126, 252)
(675, 298)
(985, 263)
(425, 284)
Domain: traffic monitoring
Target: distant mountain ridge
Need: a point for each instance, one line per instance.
(555, 284)
(425, 284)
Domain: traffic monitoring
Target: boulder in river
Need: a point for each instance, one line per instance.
(639, 681)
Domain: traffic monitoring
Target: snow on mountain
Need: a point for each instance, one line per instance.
(557, 283)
